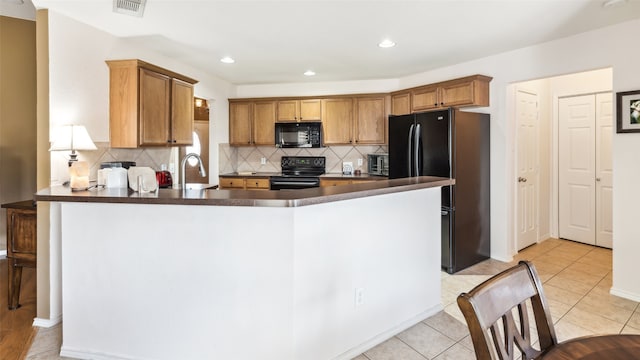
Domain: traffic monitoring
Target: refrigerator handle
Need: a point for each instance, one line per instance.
(416, 149)
(409, 148)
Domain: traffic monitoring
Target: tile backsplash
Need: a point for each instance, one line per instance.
(151, 157)
(239, 159)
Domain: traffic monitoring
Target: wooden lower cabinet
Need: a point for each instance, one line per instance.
(21, 245)
(254, 183)
(245, 183)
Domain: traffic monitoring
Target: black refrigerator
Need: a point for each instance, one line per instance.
(449, 143)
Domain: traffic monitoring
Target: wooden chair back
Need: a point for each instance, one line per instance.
(497, 315)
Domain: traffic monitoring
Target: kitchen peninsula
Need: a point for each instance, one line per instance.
(321, 273)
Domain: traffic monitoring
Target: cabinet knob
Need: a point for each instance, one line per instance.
(436, 104)
(442, 103)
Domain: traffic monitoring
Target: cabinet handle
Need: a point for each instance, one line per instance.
(168, 141)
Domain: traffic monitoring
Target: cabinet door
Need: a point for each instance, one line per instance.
(424, 98)
(232, 183)
(288, 110)
(338, 119)
(22, 234)
(155, 91)
(370, 121)
(457, 94)
(310, 110)
(401, 104)
(181, 113)
(254, 183)
(240, 123)
(264, 118)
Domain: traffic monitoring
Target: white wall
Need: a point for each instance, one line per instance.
(79, 80)
(603, 48)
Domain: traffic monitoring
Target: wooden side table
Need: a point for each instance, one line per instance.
(21, 244)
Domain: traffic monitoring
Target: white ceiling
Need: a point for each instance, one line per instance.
(276, 41)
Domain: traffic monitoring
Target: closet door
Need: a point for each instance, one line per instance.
(585, 169)
(577, 168)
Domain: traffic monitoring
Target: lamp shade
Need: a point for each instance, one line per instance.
(72, 137)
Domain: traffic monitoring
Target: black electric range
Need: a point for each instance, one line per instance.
(299, 172)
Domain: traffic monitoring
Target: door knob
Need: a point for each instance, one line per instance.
(521, 179)
(597, 179)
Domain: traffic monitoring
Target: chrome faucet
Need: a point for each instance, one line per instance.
(183, 165)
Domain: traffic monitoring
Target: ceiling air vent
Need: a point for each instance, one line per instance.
(129, 7)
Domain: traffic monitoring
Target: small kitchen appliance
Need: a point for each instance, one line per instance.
(378, 164)
(164, 179)
(298, 135)
(299, 172)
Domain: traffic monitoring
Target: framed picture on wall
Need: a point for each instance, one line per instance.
(628, 114)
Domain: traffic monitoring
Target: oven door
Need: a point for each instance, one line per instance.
(293, 182)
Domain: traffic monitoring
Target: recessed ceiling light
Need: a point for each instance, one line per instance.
(386, 43)
(227, 60)
(309, 73)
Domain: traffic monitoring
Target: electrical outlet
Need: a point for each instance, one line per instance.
(263, 160)
(359, 297)
(360, 162)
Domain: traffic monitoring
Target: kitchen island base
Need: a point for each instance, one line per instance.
(235, 282)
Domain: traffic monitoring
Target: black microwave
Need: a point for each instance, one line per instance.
(299, 135)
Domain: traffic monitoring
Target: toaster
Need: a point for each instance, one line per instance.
(164, 179)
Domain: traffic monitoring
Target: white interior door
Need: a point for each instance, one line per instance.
(527, 194)
(577, 168)
(604, 170)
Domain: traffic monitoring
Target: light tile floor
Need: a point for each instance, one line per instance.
(576, 280)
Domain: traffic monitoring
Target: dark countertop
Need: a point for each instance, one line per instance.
(364, 176)
(266, 198)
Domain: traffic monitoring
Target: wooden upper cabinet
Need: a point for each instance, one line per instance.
(401, 103)
(252, 123)
(264, 118)
(182, 112)
(360, 120)
(468, 91)
(337, 125)
(425, 98)
(149, 105)
(299, 110)
(155, 107)
(240, 117)
(370, 121)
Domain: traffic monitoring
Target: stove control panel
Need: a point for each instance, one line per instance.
(303, 164)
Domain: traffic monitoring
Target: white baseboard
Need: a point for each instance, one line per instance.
(3, 254)
(47, 323)
(625, 294)
(350, 354)
(84, 354)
